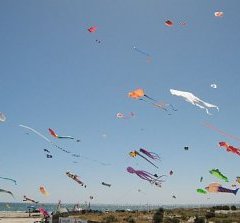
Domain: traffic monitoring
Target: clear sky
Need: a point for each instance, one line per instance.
(54, 74)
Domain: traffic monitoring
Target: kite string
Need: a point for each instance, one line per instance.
(221, 132)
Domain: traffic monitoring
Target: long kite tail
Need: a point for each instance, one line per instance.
(147, 160)
(36, 132)
(221, 132)
(154, 104)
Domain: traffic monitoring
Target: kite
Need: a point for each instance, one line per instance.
(218, 174)
(5, 178)
(152, 155)
(171, 173)
(201, 179)
(201, 191)
(186, 148)
(168, 23)
(6, 191)
(191, 98)
(57, 136)
(216, 187)
(218, 14)
(135, 153)
(229, 148)
(106, 184)
(146, 176)
(75, 178)
(123, 116)
(45, 150)
(174, 197)
(238, 179)
(213, 86)
(44, 212)
(92, 29)
(44, 137)
(48, 156)
(2, 117)
(29, 199)
(140, 95)
(43, 190)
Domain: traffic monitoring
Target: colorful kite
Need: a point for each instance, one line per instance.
(75, 178)
(57, 136)
(201, 191)
(229, 148)
(29, 199)
(218, 174)
(106, 184)
(2, 117)
(191, 98)
(218, 14)
(92, 29)
(151, 155)
(6, 191)
(135, 153)
(44, 212)
(5, 178)
(146, 176)
(168, 23)
(216, 187)
(140, 95)
(43, 190)
(44, 137)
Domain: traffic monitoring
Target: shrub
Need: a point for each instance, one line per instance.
(158, 216)
(110, 219)
(233, 208)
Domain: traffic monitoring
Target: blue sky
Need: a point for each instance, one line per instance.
(54, 74)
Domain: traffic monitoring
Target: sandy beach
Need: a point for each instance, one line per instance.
(18, 217)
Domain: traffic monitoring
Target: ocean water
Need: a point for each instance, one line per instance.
(51, 207)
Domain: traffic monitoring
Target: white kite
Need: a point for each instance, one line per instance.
(189, 97)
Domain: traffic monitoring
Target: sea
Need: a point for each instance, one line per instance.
(52, 207)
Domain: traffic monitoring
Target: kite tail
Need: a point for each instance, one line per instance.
(147, 160)
(150, 98)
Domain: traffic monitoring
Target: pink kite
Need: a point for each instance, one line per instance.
(92, 29)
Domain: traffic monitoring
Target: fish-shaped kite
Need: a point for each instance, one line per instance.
(229, 148)
(191, 98)
(218, 174)
(201, 191)
(216, 187)
(75, 178)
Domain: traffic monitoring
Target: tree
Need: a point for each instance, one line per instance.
(158, 216)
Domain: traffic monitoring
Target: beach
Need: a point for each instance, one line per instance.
(18, 217)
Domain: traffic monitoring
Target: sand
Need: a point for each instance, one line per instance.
(18, 217)
(19, 220)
